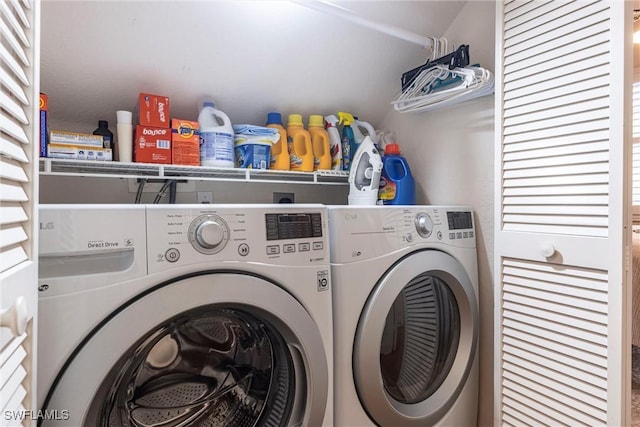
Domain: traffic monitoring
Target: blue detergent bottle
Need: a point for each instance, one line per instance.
(397, 186)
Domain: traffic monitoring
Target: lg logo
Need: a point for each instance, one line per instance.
(46, 226)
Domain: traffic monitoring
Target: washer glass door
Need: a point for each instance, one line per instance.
(219, 349)
(209, 366)
(422, 322)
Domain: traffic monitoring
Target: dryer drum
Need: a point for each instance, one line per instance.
(420, 339)
(206, 367)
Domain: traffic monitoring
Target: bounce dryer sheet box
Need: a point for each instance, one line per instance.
(152, 145)
(185, 144)
(153, 110)
(44, 124)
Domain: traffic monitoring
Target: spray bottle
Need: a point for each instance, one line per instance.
(349, 146)
(331, 124)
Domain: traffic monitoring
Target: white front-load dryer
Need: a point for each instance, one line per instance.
(187, 315)
(405, 307)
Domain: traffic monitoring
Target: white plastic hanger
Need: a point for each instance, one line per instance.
(426, 93)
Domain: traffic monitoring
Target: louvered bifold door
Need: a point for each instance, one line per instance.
(19, 149)
(563, 144)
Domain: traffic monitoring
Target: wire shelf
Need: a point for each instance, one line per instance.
(94, 168)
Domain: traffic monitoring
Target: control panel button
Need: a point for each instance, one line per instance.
(243, 249)
(439, 235)
(273, 249)
(317, 246)
(172, 255)
(304, 247)
(289, 248)
(208, 234)
(424, 224)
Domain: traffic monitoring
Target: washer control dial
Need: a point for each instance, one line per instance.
(208, 234)
(424, 224)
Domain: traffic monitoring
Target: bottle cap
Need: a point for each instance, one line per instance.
(392, 148)
(124, 117)
(274, 118)
(316, 120)
(209, 104)
(295, 120)
(103, 124)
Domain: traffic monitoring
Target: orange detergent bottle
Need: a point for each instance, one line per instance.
(319, 143)
(300, 149)
(279, 150)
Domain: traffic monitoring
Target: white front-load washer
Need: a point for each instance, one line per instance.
(184, 315)
(405, 307)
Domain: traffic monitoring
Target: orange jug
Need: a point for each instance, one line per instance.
(279, 150)
(319, 143)
(300, 149)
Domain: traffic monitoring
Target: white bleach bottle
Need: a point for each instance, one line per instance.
(359, 136)
(216, 137)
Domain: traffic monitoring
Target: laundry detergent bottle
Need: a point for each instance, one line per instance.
(216, 137)
(397, 186)
(359, 136)
(335, 142)
(349, 145)
(300, 149)
(279, 150)
(319, 143)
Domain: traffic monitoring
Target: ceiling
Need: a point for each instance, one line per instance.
(250, 57)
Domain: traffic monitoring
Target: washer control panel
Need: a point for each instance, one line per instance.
(289, 235)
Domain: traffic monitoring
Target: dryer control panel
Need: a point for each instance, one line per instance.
(287, 235)
(365, 232)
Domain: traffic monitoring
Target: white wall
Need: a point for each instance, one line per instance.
(61, 189)
(450, 152)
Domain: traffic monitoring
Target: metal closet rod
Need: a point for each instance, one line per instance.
(347, 14)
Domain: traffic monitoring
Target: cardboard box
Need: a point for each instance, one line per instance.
(75, 138)
(152, 145)
(153, 110)
(44, 124)
(79, 152)
(185, 142)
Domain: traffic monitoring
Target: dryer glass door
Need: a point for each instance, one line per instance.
(420, 339)
(421, 321)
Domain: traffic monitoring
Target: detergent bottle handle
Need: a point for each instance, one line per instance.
(301, 141)
(391, 174)
(370, 130)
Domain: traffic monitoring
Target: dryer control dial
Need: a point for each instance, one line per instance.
(208, 234)
(424, 224)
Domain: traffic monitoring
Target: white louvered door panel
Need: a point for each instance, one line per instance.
(19, 151)
(563, 150)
